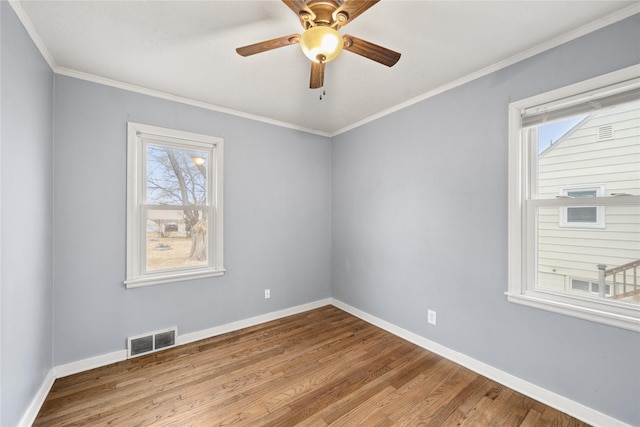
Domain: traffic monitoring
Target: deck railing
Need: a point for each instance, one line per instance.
(629, 285)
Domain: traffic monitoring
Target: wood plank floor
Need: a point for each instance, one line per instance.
(319, 368)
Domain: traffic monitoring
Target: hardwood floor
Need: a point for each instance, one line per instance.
(319, 368)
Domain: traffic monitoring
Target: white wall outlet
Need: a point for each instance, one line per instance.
(431, 317)
(267, 293)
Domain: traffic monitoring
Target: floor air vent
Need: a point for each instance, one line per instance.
(151, 342)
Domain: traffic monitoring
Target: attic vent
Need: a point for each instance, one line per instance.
(151, 342)
(605, 132)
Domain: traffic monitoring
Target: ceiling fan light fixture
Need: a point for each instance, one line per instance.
(321, 43)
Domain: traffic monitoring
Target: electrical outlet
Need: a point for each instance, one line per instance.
(431, 317)
(267, 293)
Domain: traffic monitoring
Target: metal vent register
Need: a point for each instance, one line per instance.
(151, 342)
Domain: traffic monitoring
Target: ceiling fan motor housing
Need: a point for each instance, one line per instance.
(323, 11)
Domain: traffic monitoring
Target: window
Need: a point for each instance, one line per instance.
(582, 216)
(174, 206)
(574, 156)
(588, 286)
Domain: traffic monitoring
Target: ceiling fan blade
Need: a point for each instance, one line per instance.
(351, 9)
(264, 46)
(370, 50)
(317, 75)
(300, 8)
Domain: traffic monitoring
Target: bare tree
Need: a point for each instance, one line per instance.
(199, 241)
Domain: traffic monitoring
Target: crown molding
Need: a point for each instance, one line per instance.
(183, 100)
(571, 35)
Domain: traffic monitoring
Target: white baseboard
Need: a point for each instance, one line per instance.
(549, 398)
(32, 411)
(90, 363)
(252, 321)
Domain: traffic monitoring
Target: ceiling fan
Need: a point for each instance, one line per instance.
(321, 42)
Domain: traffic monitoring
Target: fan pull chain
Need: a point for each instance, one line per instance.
(323, 94)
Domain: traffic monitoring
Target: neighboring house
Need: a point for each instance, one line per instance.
(159, 221)
(600, 156)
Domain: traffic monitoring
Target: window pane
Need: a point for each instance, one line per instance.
(589, 214)
(568, 258)
(176, 176)
(581, 193)
(580, 285)
(176, 239)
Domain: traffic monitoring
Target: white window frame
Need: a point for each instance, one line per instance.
(138, 135)
(522, 208)
(600, 210)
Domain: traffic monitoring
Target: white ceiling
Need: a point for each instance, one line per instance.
(186, 49)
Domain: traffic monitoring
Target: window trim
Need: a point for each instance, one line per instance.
(521, 208)
(136, 274)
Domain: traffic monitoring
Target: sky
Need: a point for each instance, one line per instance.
(549, 133)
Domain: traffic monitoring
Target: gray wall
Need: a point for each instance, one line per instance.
(25, 219)
(420, 221)
(277, 222)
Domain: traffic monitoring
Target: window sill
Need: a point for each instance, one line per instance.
(171, 278)
(629, 320)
